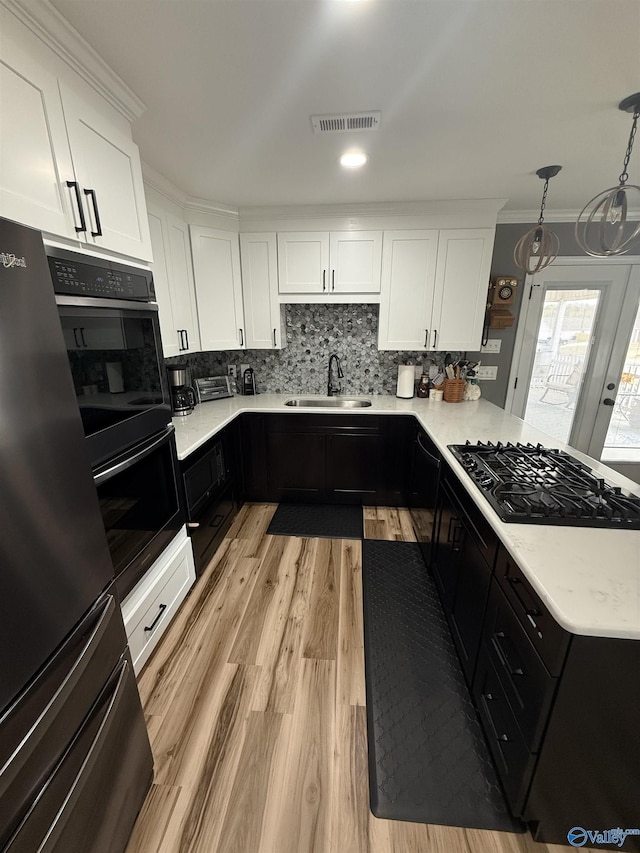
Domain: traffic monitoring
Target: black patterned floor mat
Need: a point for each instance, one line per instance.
(317, 520)
(428, 760)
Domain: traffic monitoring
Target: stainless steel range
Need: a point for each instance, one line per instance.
(532, 484)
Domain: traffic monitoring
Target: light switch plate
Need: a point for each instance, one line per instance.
(489, 372)
(492, 345)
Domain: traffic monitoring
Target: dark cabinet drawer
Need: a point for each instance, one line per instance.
(526, 682)
(548, 638)
(513, 760)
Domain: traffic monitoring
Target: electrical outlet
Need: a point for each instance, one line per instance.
(492, 345)
(244, 367)
(489, 372)
(232, 370)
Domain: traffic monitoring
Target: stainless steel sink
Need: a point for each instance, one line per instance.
(328, 402)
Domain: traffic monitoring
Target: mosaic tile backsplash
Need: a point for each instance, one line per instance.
(313, 333)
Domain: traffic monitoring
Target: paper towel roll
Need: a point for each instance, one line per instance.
(406, 376)
(114, 377)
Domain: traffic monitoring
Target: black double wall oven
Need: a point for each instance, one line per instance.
(110, 325)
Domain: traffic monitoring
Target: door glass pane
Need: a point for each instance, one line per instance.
(623, 436)
(562, 350)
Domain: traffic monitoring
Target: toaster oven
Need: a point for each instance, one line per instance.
(213, 388)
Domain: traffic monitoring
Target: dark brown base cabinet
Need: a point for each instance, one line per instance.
(462, 564)
(560, 712)
(349, 459)
(209, 490)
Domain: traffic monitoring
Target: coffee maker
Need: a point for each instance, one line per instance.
(183, 397)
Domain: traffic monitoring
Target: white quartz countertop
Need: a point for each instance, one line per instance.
(589, 578)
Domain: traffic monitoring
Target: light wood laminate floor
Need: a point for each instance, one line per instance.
(255, 705)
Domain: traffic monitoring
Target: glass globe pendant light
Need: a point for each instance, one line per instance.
(602, 228)
(539, 247)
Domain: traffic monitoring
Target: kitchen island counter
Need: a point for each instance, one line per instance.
(589, 578)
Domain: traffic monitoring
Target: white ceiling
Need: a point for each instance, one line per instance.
(475, 95)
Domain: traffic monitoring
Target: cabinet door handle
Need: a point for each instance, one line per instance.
(76, 339)
(426, 338)
(84, 343)
(94, 202)
(324, 280)
(333, 280)
(83, 223)
(241, 337)
(497, 638)
(275, 343)
(179, 331)
(186, 338)
(435, 337)
(163, 607)
(217, 520)
(456, 544)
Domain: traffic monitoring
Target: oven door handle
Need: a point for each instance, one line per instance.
(130, 461)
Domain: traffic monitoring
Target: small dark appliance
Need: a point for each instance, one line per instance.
(532, 484)
(183, 396)
(249, 382)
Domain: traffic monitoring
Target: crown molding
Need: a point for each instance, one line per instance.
(57, 33)
(156, 181)
(203, 205)
(375, 209)
(530, 217)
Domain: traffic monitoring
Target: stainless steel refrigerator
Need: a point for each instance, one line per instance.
(75, 761)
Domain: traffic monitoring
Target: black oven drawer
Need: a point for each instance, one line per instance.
(512, 757)
(548, 638)
(526, 682)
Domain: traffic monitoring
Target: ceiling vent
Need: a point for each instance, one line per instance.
(345, 122)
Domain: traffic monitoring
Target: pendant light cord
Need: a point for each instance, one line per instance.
(624, 177)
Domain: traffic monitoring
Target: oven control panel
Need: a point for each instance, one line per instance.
(103, 279)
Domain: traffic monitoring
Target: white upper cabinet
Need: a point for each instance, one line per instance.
(328, 263)
(216, 267)
(262, 310)
(408, 279)
(66, 167)
(434, 289)
(173, 281)
(35, 159)
(355, 259)
(303, 262)
(462, 279)
(107, 170)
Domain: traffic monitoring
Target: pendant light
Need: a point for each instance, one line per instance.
(539, 247)
(602, 228)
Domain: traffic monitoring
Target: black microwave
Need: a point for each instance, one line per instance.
(111, 330)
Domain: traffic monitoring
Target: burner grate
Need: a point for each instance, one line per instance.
(533, 484)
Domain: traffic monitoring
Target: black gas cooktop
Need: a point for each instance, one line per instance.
(532, 484)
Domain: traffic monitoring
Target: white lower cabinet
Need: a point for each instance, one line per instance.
(149, 608)
(216, 269)
(262, 310)
(173, 281)
(434, 289)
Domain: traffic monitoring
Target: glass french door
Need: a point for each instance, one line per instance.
(577, 362)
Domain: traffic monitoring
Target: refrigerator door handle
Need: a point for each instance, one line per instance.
(41, 726)
(76, 787)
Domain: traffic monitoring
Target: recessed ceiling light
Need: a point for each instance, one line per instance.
(353, 159)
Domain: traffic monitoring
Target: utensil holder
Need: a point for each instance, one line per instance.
(453, 390)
